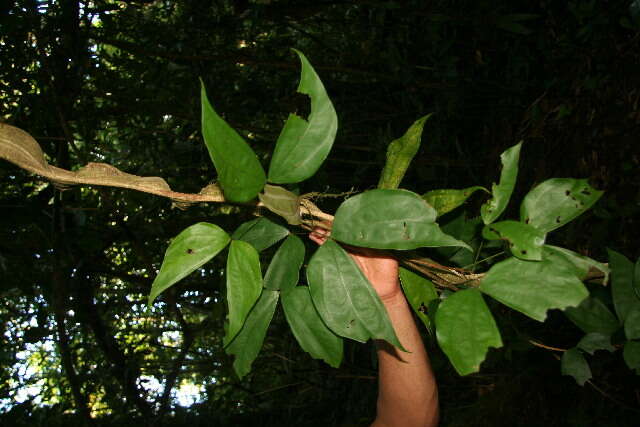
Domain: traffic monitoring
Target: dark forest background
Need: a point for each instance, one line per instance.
(117, 82)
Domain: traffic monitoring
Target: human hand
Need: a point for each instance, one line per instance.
(378, 267)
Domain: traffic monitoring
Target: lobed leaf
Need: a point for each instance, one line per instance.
(446, 200)
(244, 284)
(344, 298)
(555, 202)
(465, 329)
(501, 193)
(593, 316)
(525, 241)
(281, 202)
(304, 145)
(247, 343)
(574, 364)
(284, 269)
(188, 251)
(400, 153)
(419, 292)
(261, 233)
(310, 331)
(389, 219)
(239, 171)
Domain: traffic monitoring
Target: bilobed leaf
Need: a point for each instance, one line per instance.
(581, 263)
(446, 200)
(310, 331)
(625, 299)
(389, 219)
(284, 269)
(465, 329)
(190, 249)
(595, 341)
(555, 202)
(303, 145)
(344, 298)
(631, 355)
(533, 287)
(419, 292)
(281, 202)
(501, 193)
(525, 241)
(400, 153)
(593, 316)
(244, 284)
(247, 343)
(574, 364)
(261, 233)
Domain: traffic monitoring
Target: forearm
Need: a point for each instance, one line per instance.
(407, 394)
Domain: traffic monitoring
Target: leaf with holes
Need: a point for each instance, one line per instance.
(444, 201)
(501, 192)
(525, 242)
(419, 292)
(190, 249)
(594, 341)
(574, 364)
(284, 269)
(261, 233)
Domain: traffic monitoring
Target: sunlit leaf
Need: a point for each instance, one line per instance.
(631, 355)
(261, 233)
(389, 219)
(281, 202)
(574, 364)
(625, 299)
(555, 202)
(444, 201)
(465, 329)
(525, 242)
(594, 341)
(581, 263)
(247, 343)
(345, 299)
(533, 287)
(400, 153)
(190, 249)
(240, 173)
(284, 269)
(244, 284)
(310, 331)
(419, 292)
(501, 193)
(304, 145)
(593, 316)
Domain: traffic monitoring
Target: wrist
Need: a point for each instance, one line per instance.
(394, 298)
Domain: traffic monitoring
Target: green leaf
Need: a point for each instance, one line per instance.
(261, 233)
(400, 153)
(302, 146)
(581, 263)
(593, 316)
(310, 331)
(625, 299)
(636, 276)
(389, 219)
(631, 355)
(190, 249)
(533, 287)
(467, 230)
(466, 329)
(244, 284)
(595, 341)
(281, 202)
(525, 241)
(492, 209)
(239, 171)
(555, 202)
(632, 324)
(247, 343)
(444, 201)
(419, 292)
(574, 364)
(284, 270)
(345, 299)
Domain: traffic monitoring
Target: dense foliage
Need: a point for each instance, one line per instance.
(118, 83)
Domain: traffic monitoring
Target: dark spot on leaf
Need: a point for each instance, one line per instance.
(510, 244)
(567, 192)
(189, 251)
(523, 252)
(423, 308)
(558, 220)
(526, 221)
(586, 192)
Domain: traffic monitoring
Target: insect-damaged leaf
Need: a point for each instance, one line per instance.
(555, 202)
(190, 249)
(389, 219)
(261, 233)
(525, 242)
(303, 145)
(345, 299)
(244, 284)
(446, 200)
(239, 171)
(419, 292)
(492, 209)
(310, 331)
(284, 269)
(574, 364)
(281, 202)
(400, 153)
(247, 343)
(465, 329)
(581, 264)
